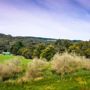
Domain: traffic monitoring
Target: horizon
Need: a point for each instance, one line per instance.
(45, 37)
(58, 19)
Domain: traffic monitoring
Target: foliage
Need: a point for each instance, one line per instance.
(62, 45)
(48, 52)
(38, 50)
(14, 48)
(82, 48)
(26, 52)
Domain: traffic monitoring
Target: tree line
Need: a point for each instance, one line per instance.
(42, 50)
(42, 47)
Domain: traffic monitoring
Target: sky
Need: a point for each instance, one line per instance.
(61, 19)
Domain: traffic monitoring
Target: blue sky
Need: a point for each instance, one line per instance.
(67, 19)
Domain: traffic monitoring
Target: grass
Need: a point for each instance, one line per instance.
(12, 66)
(5, 58)
(78, 80)
(70, 82)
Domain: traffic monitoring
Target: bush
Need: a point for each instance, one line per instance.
(36, 68)
(67, 63)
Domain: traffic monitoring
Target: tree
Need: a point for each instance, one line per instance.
(62, 45)
(15, 47)
(38, 50)
(81, 48)
(87, 53)
(48, 52)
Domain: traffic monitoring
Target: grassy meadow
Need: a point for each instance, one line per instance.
(63, 72)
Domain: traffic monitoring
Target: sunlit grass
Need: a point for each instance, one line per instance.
(77, 80)
(5, 58)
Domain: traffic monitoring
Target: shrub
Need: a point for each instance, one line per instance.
(67, 63)
(36, 68)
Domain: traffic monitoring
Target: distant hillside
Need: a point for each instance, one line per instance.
(27, 39)
(8, 40)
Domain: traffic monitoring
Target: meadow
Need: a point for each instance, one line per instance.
(63, 72)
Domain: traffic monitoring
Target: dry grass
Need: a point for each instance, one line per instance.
(9, 69)
(67, 63)
(36, 68)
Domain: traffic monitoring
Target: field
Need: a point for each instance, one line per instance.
(78, 80)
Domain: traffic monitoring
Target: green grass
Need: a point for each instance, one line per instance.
(54, 82)
(23, 61)
(79, 80)
(5, 58)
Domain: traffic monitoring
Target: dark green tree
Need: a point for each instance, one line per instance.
(15, 47)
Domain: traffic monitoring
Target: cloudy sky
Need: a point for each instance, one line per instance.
(68, 19)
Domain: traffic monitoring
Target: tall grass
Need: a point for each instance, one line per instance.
(36, 68)
(61, 64)
(67, 63)
(9, 69)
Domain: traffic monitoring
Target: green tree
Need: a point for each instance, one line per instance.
(81, 48)
(15, 47)
(62, 45)
(27, 52)
(87, 53)
(48, 52)
(38, 50)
